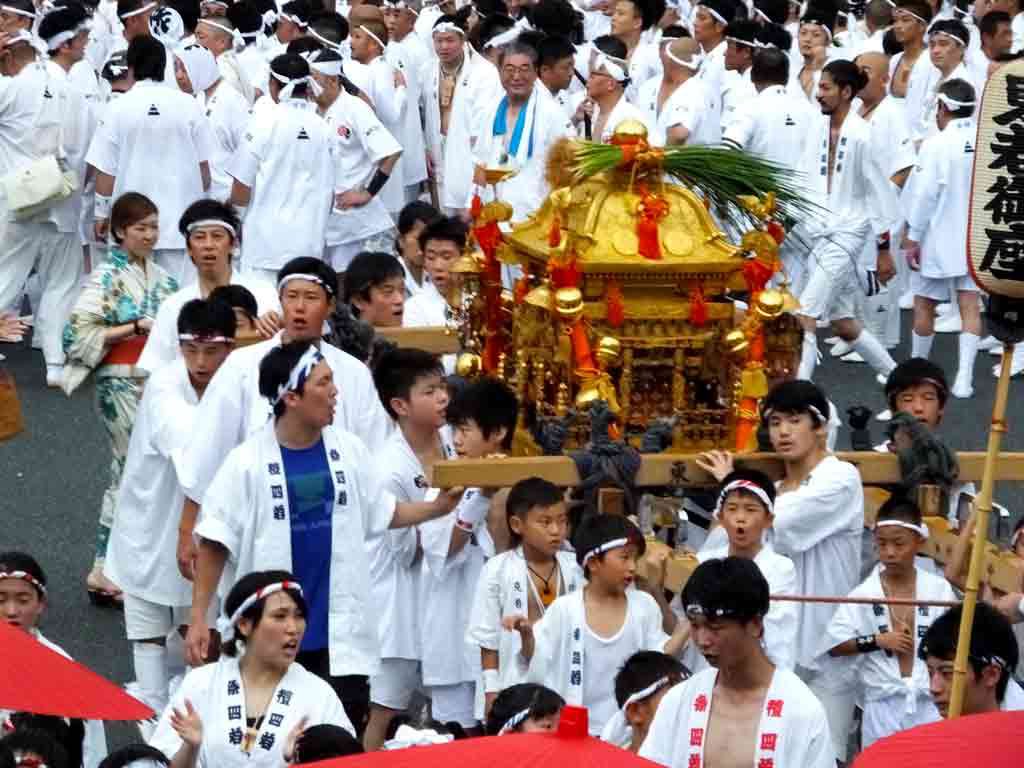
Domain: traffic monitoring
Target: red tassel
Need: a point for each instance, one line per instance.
(521, 289)
(776, 231)
(698, 307)
(756, 275)
(566, 275)
(581, 348)
(555, 235)
(653, 208)
(476, 207)
(613, 302)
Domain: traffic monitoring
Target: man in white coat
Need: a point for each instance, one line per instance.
(518, 130)
(154, 140)
(143, 541)
(606, 91)
(407, 53)
(455, 91)
(744, 710)
(678, 103)
(302, 495)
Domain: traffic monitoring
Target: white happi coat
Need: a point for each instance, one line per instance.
(152, 141)
(425, 308)
(892, 151)
(938, 196)
(712, 73)
(923, 77)
(891, 702)
(559, 661)
(232, 410)
(142, 557)
(218, 695)
(737, 89)
(793, 730)
(448, 586)
(623, 110)
(930, 109)
(773, 125)
(228, 112)
(504, 589)
(390, 105)
(476, 86)
(689, 105)
(544, 124)
(285, 159)
(780, 624)
(162, 345)
(819, 527)
(246, 510)
(410, 56)
(396, 567)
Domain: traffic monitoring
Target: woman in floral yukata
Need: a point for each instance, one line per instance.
(106, 333)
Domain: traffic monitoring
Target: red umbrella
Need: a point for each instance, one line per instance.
(34, 678)
(569, 747)
(981, 741)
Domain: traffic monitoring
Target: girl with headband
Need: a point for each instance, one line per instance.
(248, 706)
(640, 685)
(585, 636)
(524, 708)
(879, 644)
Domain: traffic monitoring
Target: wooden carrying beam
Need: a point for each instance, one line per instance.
(435, 339)
(681, 468)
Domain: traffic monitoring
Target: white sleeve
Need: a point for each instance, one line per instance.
(925, 192)
(245, 162)
(333, 712)
(740, 128)
(103, 149)
(653, 632)
(194, 688)
(484, 628)
(376, 139)
(94, 744)
(377, 503)
(664, 729)
(202, 135)
(810, 514)
(780, 624)
(224, 505)
(547, 638)
(820, 752)
(162, 343)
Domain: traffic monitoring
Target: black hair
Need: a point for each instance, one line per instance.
(189, 12)
(417, 210)
(920, 8)
(367, 270)
(351, 334)
(992, 642)
(537, 699)
(63, 19)
(39, 742)
(952, 27)
(901, 508)
(115, 68)
(127, 755)
(879, 13)
(324, 741)
(300, 8)
(301, 45)
(990, 22)
(890, 45)
(724, 8)
(127, 6)
(490, 404)
(727, 588)
(846, 74)
(489, 28)
(398, 370)
(650, 11)
(293, 67)
(776, 10)
(276, 368)
(246, 19)
(795, 397)
(525, 495)
(450, 228)
(751, 475)
(24, 5)
(742, 32)
(913, 373)
(774, 34)
(249, 585)
(674, 32)
(485, 8)
(554, 17)
(237, 297)
(611, 46)
(67, 734)
(309, 265)
(147, 58)
(207, 317)
(460, 18)
(7, 757)
(330, 26)
(597, 530)
(21, 561)
(209, 208)
(962, 91)
(644, 669)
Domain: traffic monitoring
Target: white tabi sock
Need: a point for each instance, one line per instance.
(808, 356)
(921, 346)
(151, 673)
(874, 353)
(968, 352)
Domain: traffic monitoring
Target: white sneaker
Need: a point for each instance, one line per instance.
(907, 300)
(853, 357)
(990, 342)
(949, 324)
(841, 348)
(54, 375)
(962, 386)
(885, 415)
(832, 340)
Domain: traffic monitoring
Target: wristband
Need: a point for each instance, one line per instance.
(377, 182)
(882, 241)
(101, 207)
(492, 681)
(472, 509)
(867, 643)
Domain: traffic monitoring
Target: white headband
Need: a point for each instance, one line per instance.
(909, 13)
(952, 104)
(309, 360)
(762, 14)
(613, 544)
(812, 408)
(825, 29)
(24, 576)
(226, 628)
(611, 65)
(290, 83)
(379, 42)
(303, 276)
(718, 17)
(137, 11)
(17, 11)
(55, 42)
(749, 487)
(236, 37)
(332, 68)
(514, 722)
(323, 41)
(399, 6)
(212, 223)
(647, 692)
(406, 736)
(920, 530)
(269, 17)
(205, 339)
(447, 26)
(959, 41)
(293, 19)
(510, 35)
(693, 62)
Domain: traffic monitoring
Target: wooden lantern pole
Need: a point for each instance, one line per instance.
(983, 507)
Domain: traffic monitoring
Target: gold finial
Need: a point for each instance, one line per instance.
(630, 128)
(569, 303)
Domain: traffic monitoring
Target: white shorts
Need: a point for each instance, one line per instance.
(940, 288)
(395, 683)
(453, 702)
(144, 620)
(830, 295)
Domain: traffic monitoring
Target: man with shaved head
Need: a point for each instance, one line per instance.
(678, 104)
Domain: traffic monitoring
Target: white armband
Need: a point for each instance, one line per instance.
(492, 681)
(101, 207)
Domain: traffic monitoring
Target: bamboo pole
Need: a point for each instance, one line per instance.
(983, 506)
(864, 600)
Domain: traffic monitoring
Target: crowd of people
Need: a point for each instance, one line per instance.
(211, 206)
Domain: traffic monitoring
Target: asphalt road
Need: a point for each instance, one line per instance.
(52, 477)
